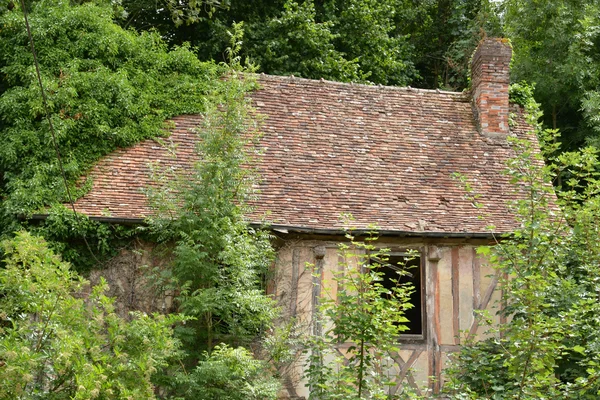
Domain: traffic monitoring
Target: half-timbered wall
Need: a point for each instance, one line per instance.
(457, 282)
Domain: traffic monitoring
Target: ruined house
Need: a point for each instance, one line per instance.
(387, 155)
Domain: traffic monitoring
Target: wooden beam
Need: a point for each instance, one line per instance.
(294, 283)
(455, 297)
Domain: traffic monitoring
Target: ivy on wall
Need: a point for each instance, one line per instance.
(107, 87)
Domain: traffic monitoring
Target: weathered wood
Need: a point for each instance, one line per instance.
(405, 371)
(437, 377)
(465, 272)
(455, 285)
(294, 283)
(483, 305)
(433, 317)
(450, 348)
(476, 280)
(494, 306)
(444, 293)
(317, 284)
(503, 304)
(455, 296)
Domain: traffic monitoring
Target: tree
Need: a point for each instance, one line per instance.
(393, 42)
(549, 272)
(366, 32)
(365, 314)
(219, 261)
(231, 374)
(555, 47)
(59, 339)
(444, 35)
(352, 40)
(107, 87)
(294, 43)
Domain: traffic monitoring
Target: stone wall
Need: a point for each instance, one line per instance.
(138, 279)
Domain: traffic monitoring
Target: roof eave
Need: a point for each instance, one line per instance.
(321, 231)
(384, 232)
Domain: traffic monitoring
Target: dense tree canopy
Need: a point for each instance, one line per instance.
(346, 40)
(557, 47)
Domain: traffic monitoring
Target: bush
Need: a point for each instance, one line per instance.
(57, 341)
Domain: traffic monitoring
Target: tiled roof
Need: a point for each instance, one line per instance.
(384, 154)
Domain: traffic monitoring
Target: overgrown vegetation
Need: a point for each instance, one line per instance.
(107, 87)
(231, 374)
(396, 42)
(357, 328)
(61, 339)
(549, 272)
(110, 87)
(556, 47)
(218, 260)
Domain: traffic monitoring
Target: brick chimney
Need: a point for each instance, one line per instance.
(490, 80)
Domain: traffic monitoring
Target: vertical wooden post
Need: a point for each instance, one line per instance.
(455, 297)
(316, 294)
(319, 252)
(294, 287)
(433, 320)
(476, 280)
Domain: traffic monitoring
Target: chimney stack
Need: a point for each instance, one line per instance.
(490, 79)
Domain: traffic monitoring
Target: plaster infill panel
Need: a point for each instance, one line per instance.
(487, 279)
(446, 314)
(283, 280)
(329, 284)
(465, 301)
(419, 371)
(331, 268)
(305, 283)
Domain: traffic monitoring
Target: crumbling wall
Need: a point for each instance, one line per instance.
(138, 278)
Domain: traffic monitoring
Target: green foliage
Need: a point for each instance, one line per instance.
(443, 35)
(231, 374)
(396, 42)
(106, 87)
(60, 340)
(350, 40)
(294, 43)
(70, 234)
(353, 42)
(521, 93)
(366, 32)
(549, 271)
(218, 259)
(556, 46)
(468, 23)
(364, 314)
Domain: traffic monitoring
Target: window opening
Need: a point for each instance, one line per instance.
(410, 266)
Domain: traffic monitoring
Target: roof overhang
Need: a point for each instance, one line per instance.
(290, 229)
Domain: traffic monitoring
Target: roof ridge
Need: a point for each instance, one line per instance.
(363, 85)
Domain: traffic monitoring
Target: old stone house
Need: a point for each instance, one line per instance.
(387, 155)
